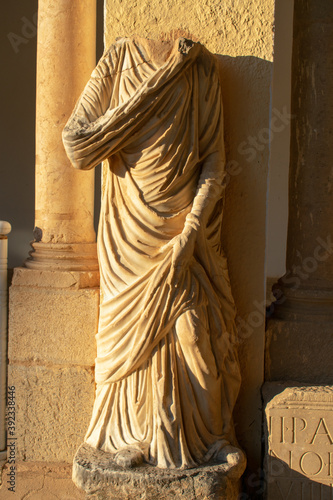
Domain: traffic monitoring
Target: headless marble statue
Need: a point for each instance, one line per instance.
(167, 372)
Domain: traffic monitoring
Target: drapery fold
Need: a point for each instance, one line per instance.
(166, 370)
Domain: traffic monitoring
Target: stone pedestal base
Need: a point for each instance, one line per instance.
(52, 324)
(101, 478)
(299, 442)
(300, 348)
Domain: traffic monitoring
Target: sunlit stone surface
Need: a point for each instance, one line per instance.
(166, 370)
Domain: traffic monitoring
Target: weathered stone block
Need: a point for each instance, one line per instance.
(40, 481)
(300, 348)
(53, 410)
(299, 442)
(52, 325)
(95, 472)
(74, 280)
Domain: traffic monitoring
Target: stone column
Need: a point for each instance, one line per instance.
(311, 159)
(54, 299)
(299, 349)
(64, 232)
(299, 335)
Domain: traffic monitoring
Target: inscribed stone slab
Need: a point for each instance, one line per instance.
(299, 442)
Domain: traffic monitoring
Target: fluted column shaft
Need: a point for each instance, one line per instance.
(64, 233)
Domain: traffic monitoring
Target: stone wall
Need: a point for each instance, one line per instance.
(241, 35)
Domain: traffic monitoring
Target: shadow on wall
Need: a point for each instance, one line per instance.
(246, 97)
(246, 85)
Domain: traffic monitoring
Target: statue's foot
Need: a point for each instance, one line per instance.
(231, 455)
(129, 458)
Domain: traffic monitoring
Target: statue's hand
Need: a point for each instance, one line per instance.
(183, 248)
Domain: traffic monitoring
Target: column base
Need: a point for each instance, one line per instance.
(297, 303)
(95, 472)
(63, 256)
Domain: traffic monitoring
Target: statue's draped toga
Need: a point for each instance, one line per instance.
(166, 370)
